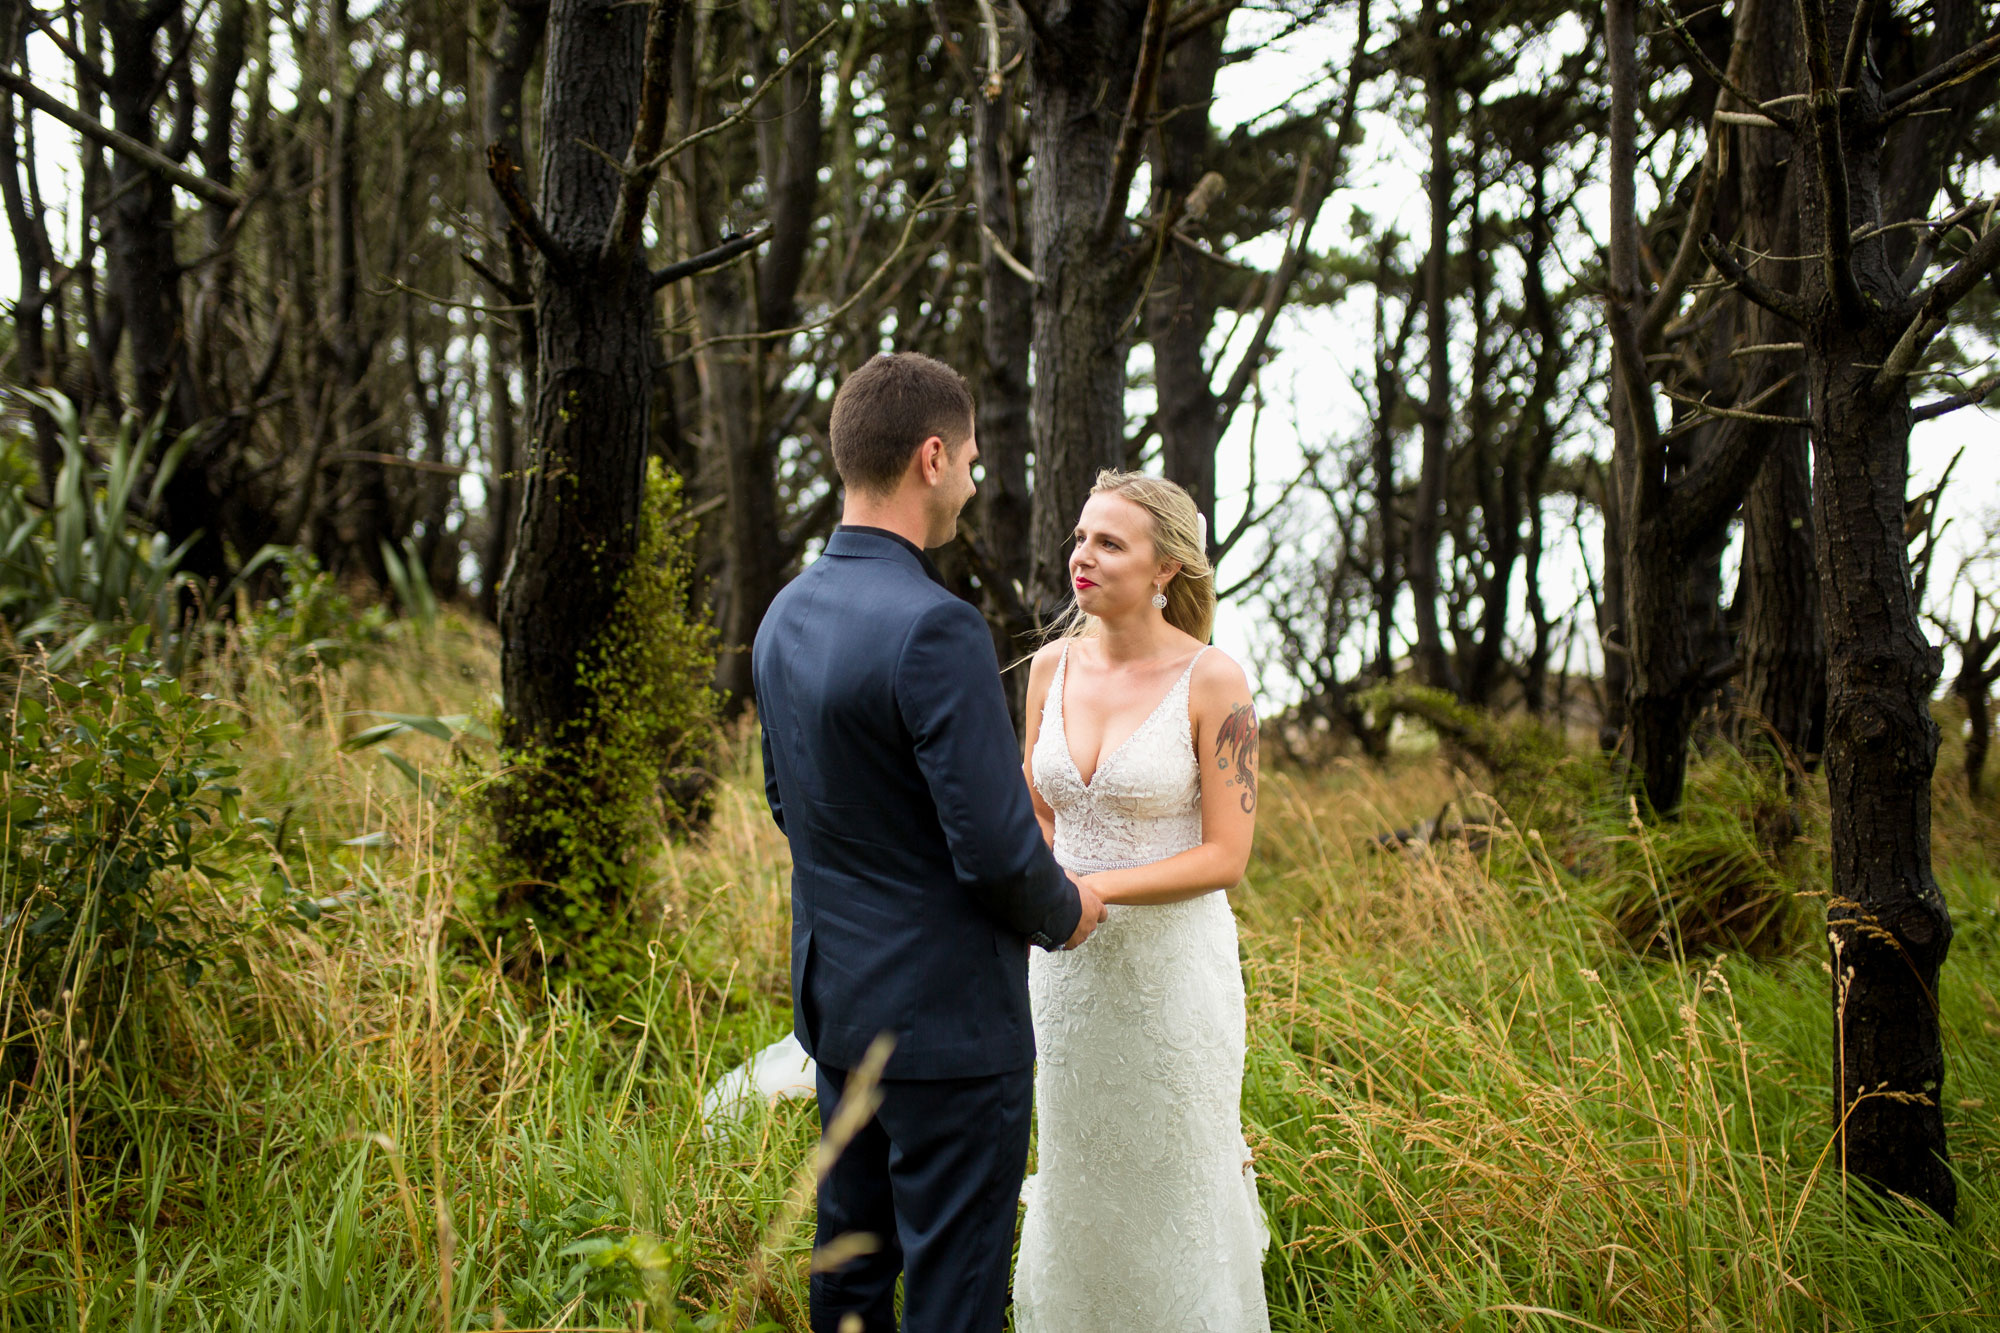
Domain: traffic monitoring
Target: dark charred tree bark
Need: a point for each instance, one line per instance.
(1007, 321)
(604, 87)
(1391, 399)
(1674, 490)
(1094, 65)
(1783, 641)
(1865, 322)
(1539, 429)
(1182, 303)
(358, 509)
(1781, 634)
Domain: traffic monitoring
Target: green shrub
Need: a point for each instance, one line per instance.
(118, 805)
(642, 762)
(309, 623)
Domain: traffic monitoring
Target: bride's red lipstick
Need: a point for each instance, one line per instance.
(1082, 583)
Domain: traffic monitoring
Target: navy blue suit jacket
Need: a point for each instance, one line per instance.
(919, 874)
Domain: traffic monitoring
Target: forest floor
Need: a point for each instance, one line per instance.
(1474, 1103)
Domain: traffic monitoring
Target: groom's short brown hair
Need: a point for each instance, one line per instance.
(888, 407)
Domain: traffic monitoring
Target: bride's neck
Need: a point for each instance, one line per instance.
(1135, 640)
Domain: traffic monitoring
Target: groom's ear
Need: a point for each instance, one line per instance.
(932, 456)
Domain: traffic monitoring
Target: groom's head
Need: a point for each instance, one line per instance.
(902, 438)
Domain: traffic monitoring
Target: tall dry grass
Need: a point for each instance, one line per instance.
(1474, 1104)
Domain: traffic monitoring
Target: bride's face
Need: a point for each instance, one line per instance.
(1114, 566)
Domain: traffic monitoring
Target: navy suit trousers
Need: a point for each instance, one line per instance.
(934, 1177)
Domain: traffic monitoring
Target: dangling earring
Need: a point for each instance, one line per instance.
(1159, 600)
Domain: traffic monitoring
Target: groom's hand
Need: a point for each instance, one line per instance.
(1093, 913)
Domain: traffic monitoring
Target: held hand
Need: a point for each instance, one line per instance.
(1088, 920)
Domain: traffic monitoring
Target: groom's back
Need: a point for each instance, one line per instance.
(826, 660)
(889, 930)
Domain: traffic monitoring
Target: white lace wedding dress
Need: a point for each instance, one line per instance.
(1142, 1215)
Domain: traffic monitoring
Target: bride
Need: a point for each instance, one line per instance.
(1142, 757)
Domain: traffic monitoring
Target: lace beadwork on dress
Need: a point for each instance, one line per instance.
(1143, 1213)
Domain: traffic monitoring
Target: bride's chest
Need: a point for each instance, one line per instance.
(1102, 713)
(1151, 774)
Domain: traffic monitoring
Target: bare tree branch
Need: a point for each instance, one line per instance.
(1782, 304)
(1823, 110)
(921, 207)
(1702, 209)
(505, 174)
(675, 149)
(193, 182)
(512, 291)
(731, 247)
(991, 22)
(1934, 83)
(1700, 57)
(1006, 256)
(1933, 237)
(1934, 309)
(1709, 409)
(1138, 109)
(1190, 22)
(1972, 397)
(1306, 208)
(639, 169)
(1857, 42)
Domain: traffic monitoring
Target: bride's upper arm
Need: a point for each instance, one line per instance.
(1225, 726)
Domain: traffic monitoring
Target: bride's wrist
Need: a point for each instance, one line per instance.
(1106, 891)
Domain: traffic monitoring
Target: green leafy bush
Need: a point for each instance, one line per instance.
(309, 622)
(119, 811)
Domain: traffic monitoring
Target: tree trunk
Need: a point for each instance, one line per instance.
(1007, 321)
(1783, 630)
(1610, 607)
(32, 254)
(594, 350)
(1673, 499)
(143, 273)
(743, 377)
(521, 23)
(1972, 685)
(1782, 635)
(1433, 666)
(1182, 304)
(1889, 926)
(359, 510)
(1081, 59)
(1389, 394)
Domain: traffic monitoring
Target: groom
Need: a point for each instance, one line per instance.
(919, 874)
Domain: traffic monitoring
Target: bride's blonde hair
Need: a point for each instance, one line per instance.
(1177, 535)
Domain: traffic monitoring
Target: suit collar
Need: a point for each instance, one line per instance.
(880, 544)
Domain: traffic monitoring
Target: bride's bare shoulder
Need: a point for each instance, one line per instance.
(1042, 667)
(1219, 680)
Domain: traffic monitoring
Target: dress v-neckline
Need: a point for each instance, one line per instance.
(1106, 756)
